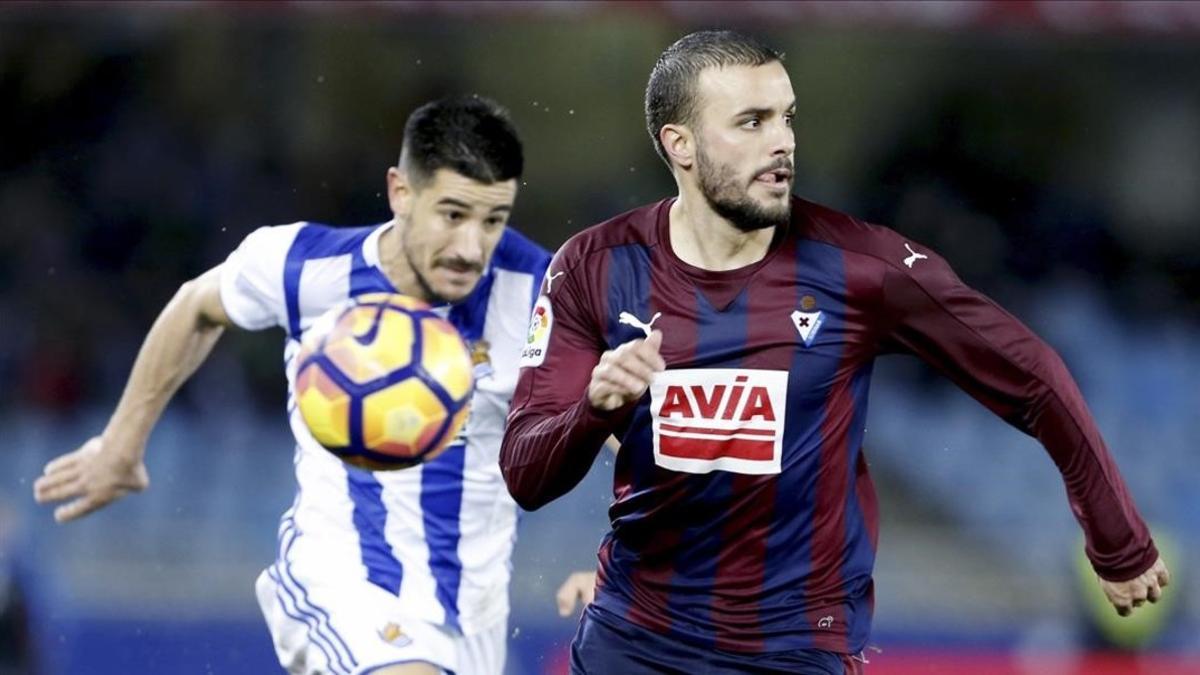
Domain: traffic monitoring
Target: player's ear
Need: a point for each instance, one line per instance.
(679, 143)
(400, 192)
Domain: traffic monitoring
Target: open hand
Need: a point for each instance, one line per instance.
(89, 478)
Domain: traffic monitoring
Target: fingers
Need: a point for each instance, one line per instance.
(650, 349)
(587, 591)
(1161, 573)
(56, 486)
(579, 586)
(61, 463)
(565, 599)
(625, 373)
(1127, 596)
(78, 508)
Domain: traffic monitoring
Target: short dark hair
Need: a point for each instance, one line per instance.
(470, 135)
(671, 91)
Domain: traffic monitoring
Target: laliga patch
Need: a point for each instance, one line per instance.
(540, 323)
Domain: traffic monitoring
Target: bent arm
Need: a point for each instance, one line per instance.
(546, 454)
(554, 432)
(109, 466)
(180, 340)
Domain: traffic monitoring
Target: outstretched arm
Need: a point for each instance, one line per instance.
(109, 466)
(1001, 363)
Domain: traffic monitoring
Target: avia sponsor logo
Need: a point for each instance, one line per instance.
(540, 323)
(719, 419)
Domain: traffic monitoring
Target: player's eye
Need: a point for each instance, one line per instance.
(787, 119)
(455, 217)
(752, 123)
(493, 223)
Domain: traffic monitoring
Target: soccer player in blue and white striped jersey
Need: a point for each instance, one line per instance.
(403, 572)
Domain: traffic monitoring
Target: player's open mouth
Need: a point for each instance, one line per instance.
(776, 178)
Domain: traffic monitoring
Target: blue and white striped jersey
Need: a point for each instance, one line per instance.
(440, 535)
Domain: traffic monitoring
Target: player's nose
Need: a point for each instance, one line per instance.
(467, 243)
(783, 140)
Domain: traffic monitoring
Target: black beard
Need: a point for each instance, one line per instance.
(717, 186)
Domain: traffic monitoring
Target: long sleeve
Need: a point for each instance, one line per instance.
(1002, 364)
(553, 432)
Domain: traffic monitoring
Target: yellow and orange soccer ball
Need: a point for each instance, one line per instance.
(383, 382)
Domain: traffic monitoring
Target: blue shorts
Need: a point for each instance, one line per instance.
(606, 644)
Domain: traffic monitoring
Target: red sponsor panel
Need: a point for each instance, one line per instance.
(714, 448)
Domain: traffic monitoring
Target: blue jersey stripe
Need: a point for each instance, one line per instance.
(820, 274)
(860, 557)
(628, 291)
(629, 286)
(319, 241)
(516, 253)
(721, 336)
(441, 505)
(370, 520)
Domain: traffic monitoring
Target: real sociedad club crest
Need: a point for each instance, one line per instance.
(808, 319)
(481, 359)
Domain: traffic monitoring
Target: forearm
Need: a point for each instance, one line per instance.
(544, 456)
(1118, 542)
(180, 340)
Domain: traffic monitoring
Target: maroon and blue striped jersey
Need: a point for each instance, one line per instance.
(744, 516)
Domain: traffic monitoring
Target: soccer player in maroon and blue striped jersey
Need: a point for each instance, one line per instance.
(726, 338)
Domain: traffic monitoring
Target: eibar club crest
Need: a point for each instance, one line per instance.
(808, 324)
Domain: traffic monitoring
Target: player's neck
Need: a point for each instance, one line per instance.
(702, 238)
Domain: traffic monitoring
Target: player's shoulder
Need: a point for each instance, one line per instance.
(319, 240)
(876, 243)
(516, 252)
(634, 227)
(309, 239)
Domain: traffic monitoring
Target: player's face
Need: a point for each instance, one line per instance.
(452, 226)
(745, 143)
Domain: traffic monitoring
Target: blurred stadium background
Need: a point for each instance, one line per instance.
(1051, 151)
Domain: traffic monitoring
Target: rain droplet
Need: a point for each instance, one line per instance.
(320, 79)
